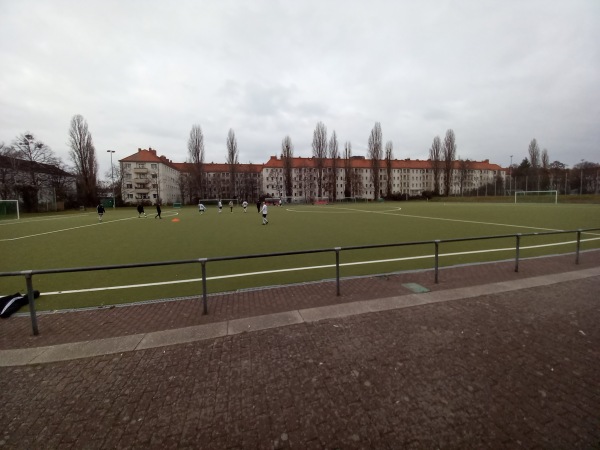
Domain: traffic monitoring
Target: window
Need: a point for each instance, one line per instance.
(153, 166)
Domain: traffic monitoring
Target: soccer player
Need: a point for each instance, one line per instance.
(201, 208)
(245, 205)
(158, 211)
(220, 206)
(100, 210)
(140, 210)
(231, 205)
(264, 213)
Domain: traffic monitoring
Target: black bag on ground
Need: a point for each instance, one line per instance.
(10, 304)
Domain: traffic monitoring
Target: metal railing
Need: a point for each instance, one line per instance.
(28, 274)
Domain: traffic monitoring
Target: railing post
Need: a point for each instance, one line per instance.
(578, 246)
(437, 259)
(517, 248)
(204, 293)
(30, 297)
(337, 269)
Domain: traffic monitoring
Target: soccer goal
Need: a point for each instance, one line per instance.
(321, 201)
(9, 210)
(536, 197)
(275, 201)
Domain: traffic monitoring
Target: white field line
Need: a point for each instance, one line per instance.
(72, 228)
(295, 269)
(45, 219)
(393, 212)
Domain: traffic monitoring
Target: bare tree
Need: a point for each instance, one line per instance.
(319, 146)
(334, 154)
(348, 191)
(375, 153)
(534, 160)
(8, 172)
(435, 155)
(389, 156)
(463, 173)
(449, 153)
(34, 153)
(232, 161)
(196, 156)
(83, 155)
(287, 155)
(558, 173)
(545, 169)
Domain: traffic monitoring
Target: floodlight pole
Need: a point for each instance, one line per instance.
(112, 177)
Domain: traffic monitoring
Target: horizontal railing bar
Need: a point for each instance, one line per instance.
(268, 255)
(28, 274)
(277, 254)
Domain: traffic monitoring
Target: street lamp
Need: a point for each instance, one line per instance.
(112, 177)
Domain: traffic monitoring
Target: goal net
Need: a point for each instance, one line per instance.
(320, 201)
(9, 209)
(276, 201)
(536, 196)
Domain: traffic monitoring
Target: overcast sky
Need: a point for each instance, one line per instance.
(142, 73)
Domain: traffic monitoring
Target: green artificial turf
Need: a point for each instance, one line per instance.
(74, 239)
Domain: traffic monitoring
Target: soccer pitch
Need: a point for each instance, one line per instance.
(75, 239)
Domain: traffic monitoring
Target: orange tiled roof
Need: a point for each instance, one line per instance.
(274, 162)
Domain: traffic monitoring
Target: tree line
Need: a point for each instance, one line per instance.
(28, 167)
(536, 173)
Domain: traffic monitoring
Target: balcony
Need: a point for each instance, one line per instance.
(140, 170)
(141, 180)
(139, 190)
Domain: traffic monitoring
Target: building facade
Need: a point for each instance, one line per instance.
(150, 178)
(37, 186)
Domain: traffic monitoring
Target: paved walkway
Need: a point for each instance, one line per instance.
(487, 358)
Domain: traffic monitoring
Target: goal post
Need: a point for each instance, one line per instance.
(536, 197)
(9, 210)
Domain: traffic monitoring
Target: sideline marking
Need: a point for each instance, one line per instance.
(70, 229)
(293, 269)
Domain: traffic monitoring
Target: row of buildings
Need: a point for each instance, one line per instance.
(147, 177)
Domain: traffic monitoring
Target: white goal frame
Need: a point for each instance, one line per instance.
(533, 193)
(16, 202)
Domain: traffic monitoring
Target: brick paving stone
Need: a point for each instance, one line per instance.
(506, 370)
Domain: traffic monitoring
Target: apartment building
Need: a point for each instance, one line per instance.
(148, 177)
